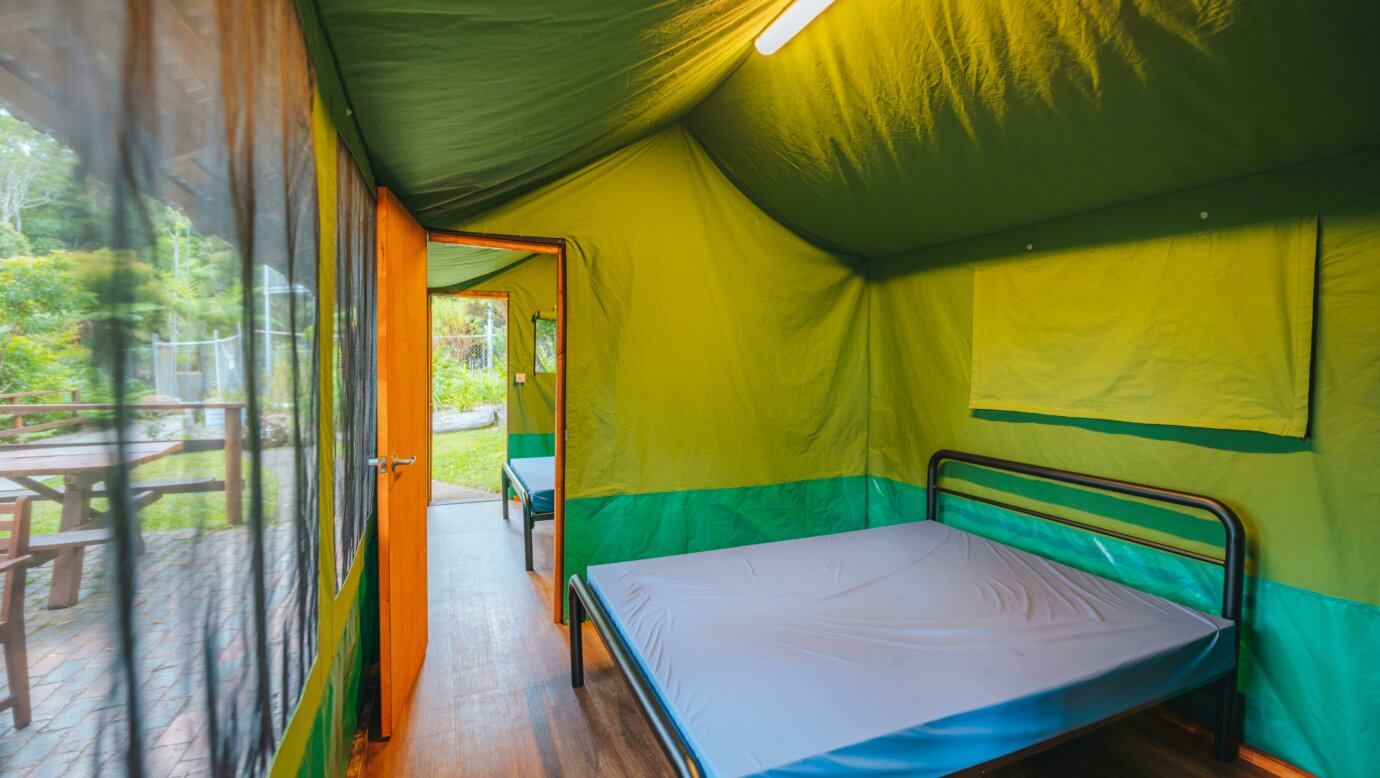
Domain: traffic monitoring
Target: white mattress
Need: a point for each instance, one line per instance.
(916, 649)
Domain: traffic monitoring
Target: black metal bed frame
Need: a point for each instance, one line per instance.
(585, 603)
(511, 481)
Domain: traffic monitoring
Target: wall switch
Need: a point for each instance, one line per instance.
(519, 378)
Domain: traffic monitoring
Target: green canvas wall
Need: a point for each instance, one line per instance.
(531, 287)
(685, 438)
(715, 400)
(1310, 506)
(732, 383)
(716, 362)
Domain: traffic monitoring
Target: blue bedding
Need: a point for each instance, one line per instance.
(916, 649)
(538, 478)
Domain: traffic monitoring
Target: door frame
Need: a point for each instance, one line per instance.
(557, 247)
(431, 377)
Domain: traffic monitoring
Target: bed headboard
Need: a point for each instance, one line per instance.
(1234, 548)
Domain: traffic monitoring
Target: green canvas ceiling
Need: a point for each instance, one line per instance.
(918, 123)
(451, 266)
(465, 103)
(887, 125)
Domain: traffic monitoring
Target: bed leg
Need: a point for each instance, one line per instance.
(527, 533)
(503, 494)
(1224, 728)
(577, 641)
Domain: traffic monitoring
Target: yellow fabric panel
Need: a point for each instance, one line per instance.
(1309, 505)
(1209, 329)
(324, 144)
(708, 346)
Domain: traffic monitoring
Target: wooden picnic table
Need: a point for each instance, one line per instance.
(234, 434)
(81, 468)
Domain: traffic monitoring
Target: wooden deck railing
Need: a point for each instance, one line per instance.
(17, 427)
(234, 434)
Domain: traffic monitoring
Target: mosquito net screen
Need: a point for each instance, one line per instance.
(354, 366)
(158, 258)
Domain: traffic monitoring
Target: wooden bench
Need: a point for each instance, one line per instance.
(61, 541)
(43, 548)
(233, 440)
(171, 486)
(14, 564)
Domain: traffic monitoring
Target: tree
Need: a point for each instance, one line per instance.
(34, 169)
(13, 243)
(66, 296)
(39, 309)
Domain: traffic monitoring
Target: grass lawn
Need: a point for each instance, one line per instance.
(174, 511)
(469, 458)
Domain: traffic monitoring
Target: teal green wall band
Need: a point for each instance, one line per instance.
(640, 526)
(1318, 715)
(531, 445)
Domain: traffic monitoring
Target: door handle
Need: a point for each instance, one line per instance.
(399, 462)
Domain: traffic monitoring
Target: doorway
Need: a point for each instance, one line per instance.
(521, 281)
(469, 395)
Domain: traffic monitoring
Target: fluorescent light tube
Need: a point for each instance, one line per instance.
(791, 21)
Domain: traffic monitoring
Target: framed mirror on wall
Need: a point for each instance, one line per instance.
(544, 342)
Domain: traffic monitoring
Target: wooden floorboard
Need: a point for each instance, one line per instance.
(494, 696)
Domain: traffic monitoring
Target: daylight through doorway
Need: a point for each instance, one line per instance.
(469, 385)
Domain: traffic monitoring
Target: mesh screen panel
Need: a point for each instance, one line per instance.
(170, 608)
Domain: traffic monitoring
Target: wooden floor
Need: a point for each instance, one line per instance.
(494, 697)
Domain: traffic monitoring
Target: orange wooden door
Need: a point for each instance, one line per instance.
(402, 432)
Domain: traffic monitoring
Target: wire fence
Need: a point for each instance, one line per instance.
(210, 369)
(476, 351)
(213, 368)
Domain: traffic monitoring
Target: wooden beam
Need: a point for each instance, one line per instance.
(558, 561)
(24, 410)
(486, 240)
(470, 293)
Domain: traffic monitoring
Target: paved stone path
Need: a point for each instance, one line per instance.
(444, 492)
(188, 578)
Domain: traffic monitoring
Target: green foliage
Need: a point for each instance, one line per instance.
(459, 380)
(13, 243)
(40, 344)
(455, 315)
(457, 386)
(64, 294)
(469, 458)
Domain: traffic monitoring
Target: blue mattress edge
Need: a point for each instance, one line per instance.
(862, 756)
(850, 760)
(647, 673)
(543, 499)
